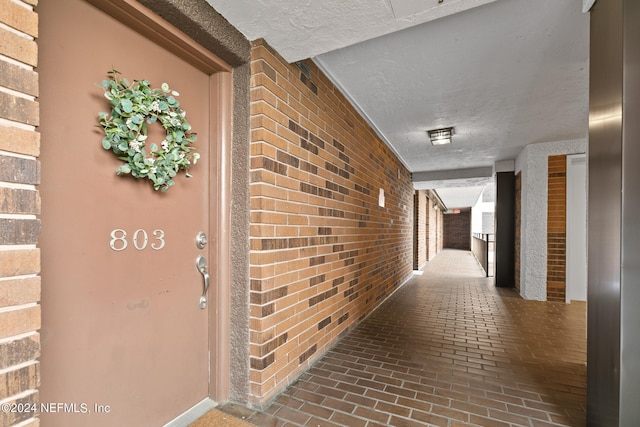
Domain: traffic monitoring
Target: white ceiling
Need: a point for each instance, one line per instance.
(504, 73)
(460, 197)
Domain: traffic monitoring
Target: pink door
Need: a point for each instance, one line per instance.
(125, 338)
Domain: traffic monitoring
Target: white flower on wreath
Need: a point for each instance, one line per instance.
(155, 107)
(135, 145)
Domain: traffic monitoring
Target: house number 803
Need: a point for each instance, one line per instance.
(140, 240)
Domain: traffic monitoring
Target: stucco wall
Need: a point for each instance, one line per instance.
(533, 164)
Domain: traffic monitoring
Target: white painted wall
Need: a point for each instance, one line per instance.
(587, 4)
(477, 215)
(576, 228)
(532, 162)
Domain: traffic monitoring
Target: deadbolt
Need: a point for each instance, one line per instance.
(201, 240)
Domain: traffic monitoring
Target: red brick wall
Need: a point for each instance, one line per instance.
(557, 228)
(323, 253)
(19, 208)
(457, 230)
(420, 226)
(518, 228)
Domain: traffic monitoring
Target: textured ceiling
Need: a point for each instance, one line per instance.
(300, 29)
(504, 73)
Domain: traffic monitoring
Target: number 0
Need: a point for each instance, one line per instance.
(136, 239)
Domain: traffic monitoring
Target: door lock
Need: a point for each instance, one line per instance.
(201, 240)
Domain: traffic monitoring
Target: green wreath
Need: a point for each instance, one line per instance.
(134, 106)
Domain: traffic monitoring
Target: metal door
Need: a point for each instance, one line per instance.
(125, 340)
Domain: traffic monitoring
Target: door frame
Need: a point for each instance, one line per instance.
(144, 21)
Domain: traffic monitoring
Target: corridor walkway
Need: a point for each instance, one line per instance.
(447, 349)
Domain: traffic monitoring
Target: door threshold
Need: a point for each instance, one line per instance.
(191, 415)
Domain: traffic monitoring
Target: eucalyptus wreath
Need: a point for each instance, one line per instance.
(133, 107)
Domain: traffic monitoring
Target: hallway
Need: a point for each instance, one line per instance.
(447, 349)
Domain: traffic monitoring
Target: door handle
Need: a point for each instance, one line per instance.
(201, 264)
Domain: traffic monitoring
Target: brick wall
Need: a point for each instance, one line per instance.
(19, 207)
(431, 239)
(457, 230)
(323, 253)
(434, 226)
(557, 228)
(518, 228)
(420, 228)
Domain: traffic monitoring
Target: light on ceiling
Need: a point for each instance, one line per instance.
(440, 136)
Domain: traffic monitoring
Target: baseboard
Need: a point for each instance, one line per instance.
(189, 416)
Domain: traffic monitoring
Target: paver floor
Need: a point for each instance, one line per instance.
(447, 349)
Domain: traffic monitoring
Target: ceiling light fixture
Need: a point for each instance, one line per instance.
(440, 136)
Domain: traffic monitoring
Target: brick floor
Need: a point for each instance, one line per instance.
(447, 349)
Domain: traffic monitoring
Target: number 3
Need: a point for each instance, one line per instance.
(159, 235)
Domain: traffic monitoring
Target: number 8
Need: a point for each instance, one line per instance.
(122, 238)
